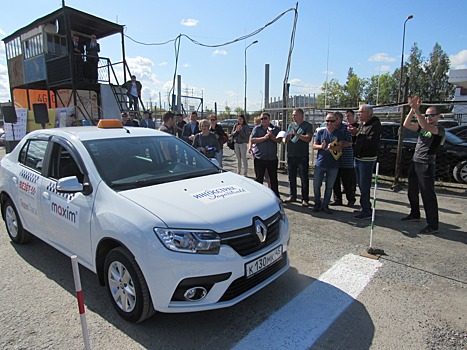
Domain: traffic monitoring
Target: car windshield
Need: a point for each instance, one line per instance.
(132, 162)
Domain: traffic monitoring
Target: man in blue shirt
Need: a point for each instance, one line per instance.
(328, 142)
(264, 136)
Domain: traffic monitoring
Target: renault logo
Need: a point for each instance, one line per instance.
(261, 230)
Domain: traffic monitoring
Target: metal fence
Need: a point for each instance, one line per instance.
(451, 166)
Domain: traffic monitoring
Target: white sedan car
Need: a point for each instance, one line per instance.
(163, 227)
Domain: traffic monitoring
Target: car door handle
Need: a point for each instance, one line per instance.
(46, 195)
(15, 180)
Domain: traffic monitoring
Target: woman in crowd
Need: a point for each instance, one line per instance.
(221, 137)
(205, 141)
(241, 136)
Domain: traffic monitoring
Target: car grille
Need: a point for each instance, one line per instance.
(243, 284)
(245, 241)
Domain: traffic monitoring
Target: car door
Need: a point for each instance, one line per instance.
(25, 182)
(67, 215)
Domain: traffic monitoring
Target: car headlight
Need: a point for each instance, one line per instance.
(189, 241)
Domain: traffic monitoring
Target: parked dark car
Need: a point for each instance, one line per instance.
(460, 131)
(451, 158)
(228, 124)
(2, 137)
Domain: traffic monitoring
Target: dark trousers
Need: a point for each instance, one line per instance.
(300, 164)
(422, 180)
(133, 100)
(346, 177)
(271, 166)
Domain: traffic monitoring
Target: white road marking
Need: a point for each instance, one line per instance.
(299, 323)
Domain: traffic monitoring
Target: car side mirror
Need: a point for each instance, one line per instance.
(71, 184)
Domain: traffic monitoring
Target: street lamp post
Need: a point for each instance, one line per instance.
(402, 60)
(254, 42)
(397, 171)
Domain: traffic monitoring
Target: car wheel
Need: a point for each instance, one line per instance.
(460, 172)
(13, 224)
(127, 287)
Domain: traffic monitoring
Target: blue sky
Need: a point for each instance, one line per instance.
(365, 35)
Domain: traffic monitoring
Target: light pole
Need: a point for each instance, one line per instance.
(402, 60)
(254, 42)
(261, 100)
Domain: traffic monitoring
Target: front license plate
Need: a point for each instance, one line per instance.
(258, 265)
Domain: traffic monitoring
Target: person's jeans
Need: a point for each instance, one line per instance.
(364, 172)
(240, 152)
(219, 156)
(422, 180)
(302, 165)
(133, 100)
(331, 174)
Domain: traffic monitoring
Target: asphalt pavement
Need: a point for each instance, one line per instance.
(414, 298)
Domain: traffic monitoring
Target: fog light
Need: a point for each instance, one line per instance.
(195, 293)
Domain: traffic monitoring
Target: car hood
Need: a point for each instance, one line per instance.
(221, 202)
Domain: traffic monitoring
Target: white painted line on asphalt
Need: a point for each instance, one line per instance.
(299, 323)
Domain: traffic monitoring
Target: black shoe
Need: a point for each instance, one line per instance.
(326, 209)
(335, 203)
(358, 210)
(316, 208)
(351, 203)
(428, 231)
(410, 218)
(362, 216)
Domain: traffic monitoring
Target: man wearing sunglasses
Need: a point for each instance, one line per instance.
(422, 167)
(328, 143)
(265, 137)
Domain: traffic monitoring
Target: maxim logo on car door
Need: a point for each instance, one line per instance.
(65, 210)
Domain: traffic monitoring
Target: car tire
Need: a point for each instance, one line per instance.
(460, 172)
(126, 286)
(13, 224)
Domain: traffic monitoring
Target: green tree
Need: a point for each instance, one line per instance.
(238, 110)
(437, 87)
(333, 96)
(414, 69)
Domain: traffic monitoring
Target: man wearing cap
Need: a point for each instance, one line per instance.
(133, 88)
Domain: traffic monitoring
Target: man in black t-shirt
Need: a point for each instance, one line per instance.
(422, 167)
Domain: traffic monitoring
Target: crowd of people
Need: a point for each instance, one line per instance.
(346, 155)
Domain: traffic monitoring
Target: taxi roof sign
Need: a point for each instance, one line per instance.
(110, 124)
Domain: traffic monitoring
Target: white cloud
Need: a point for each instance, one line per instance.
(295, 81)
(382, 69)
(4, 84)
(328, 72)
(162, 64)
(231, 93)
(219, 52)
(381, 57)
(459, 60)
(2, 32)
(186, 65)
(189, 22)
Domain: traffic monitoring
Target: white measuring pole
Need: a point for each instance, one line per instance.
(79, 296)
(374, 205)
